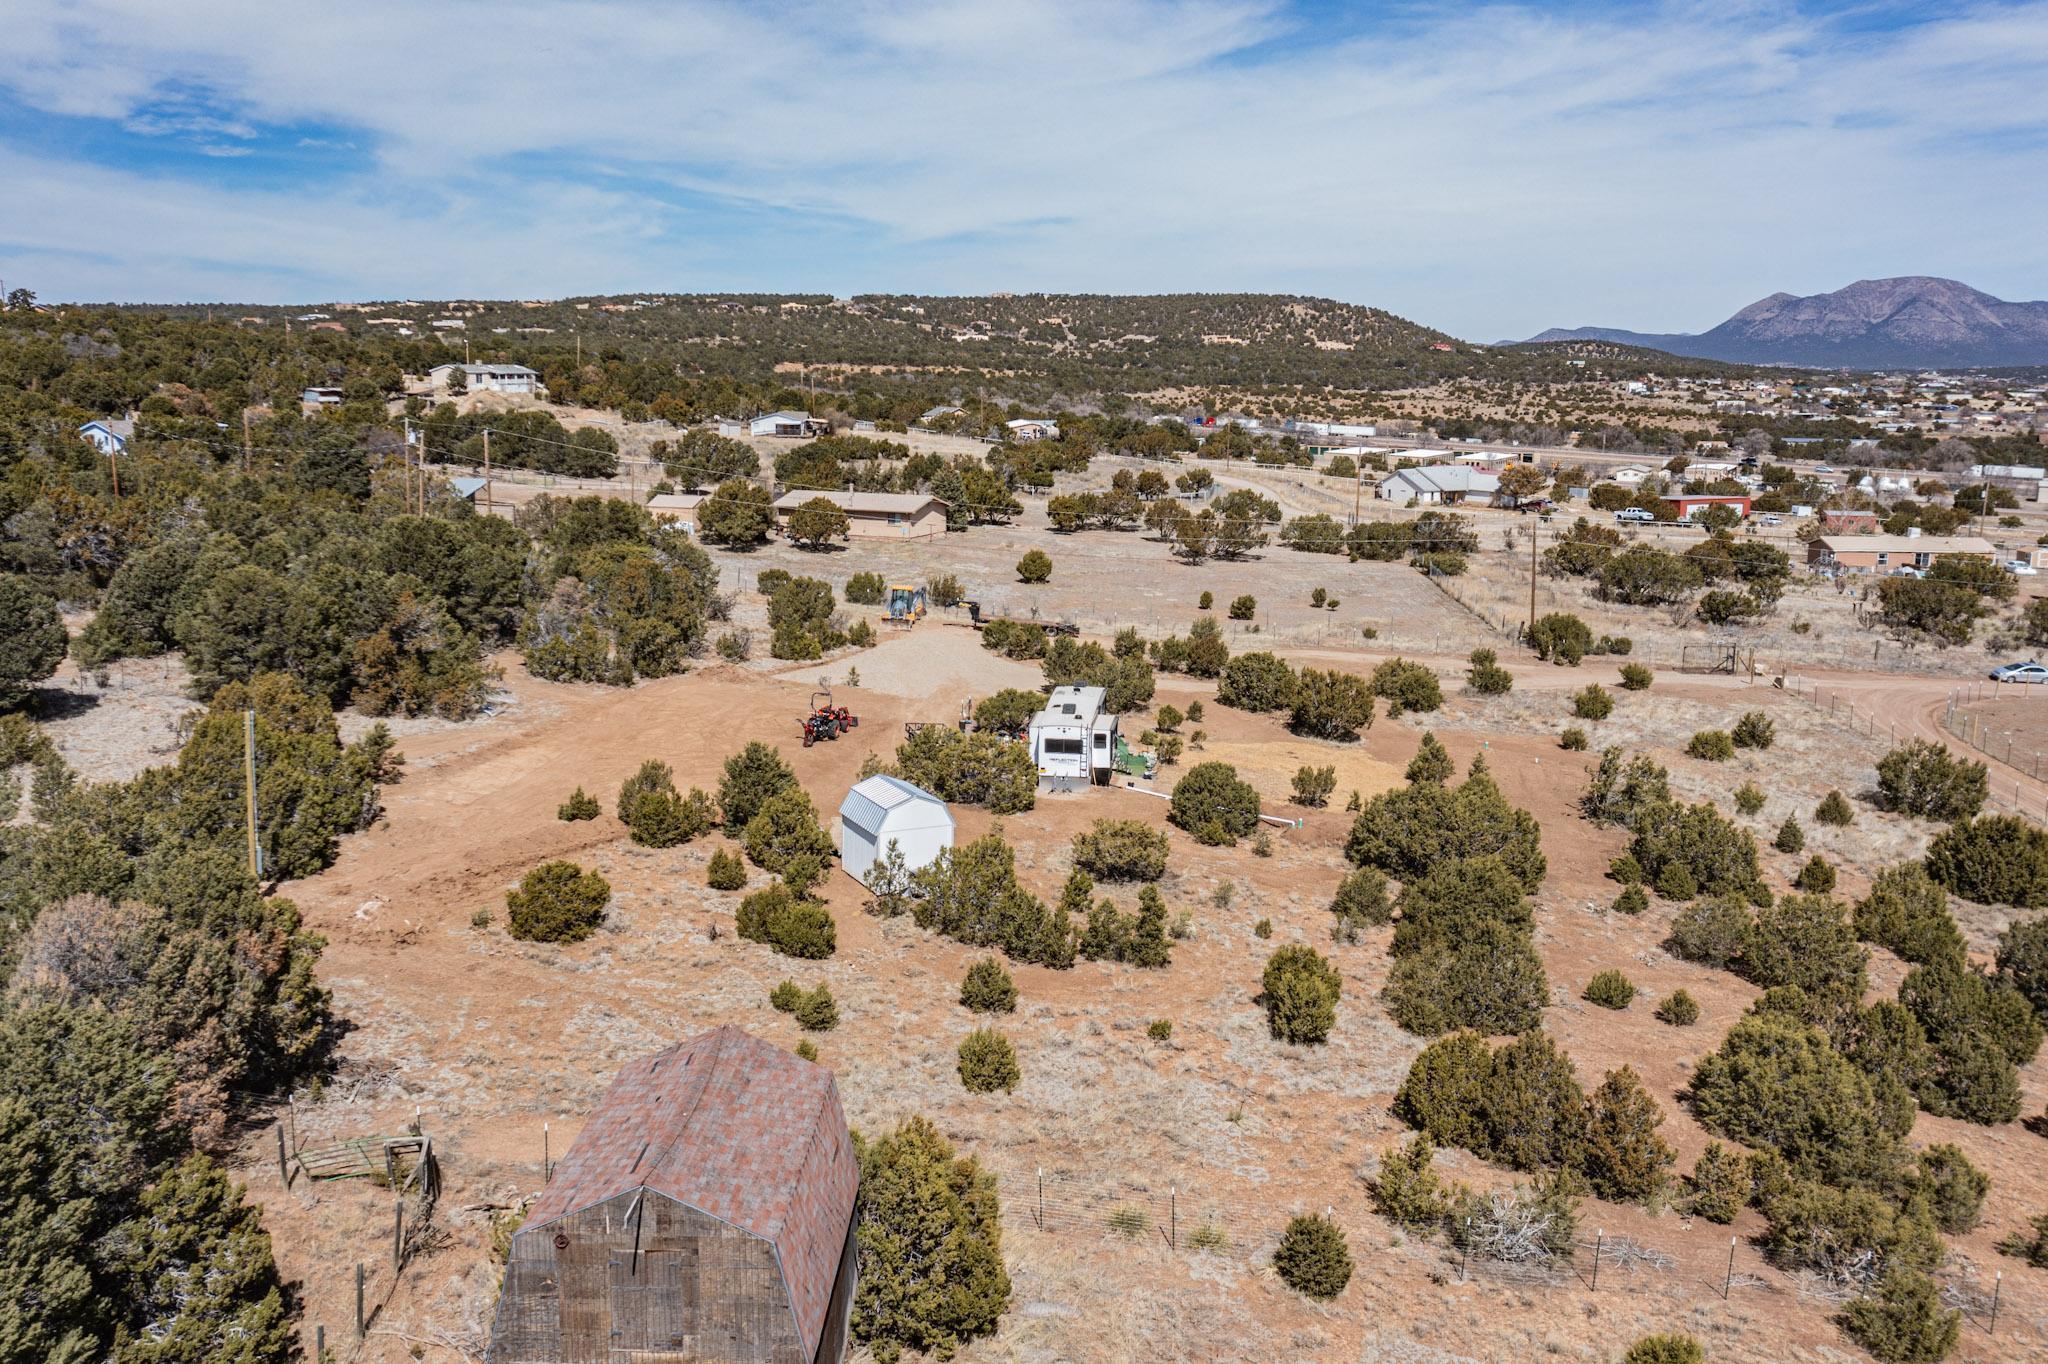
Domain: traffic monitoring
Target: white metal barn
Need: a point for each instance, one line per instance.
(882, 810)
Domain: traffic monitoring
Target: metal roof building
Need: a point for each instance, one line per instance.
(705, 1212)
(884, 810)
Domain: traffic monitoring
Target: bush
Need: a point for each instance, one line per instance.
(1444, 1092)
(1243, 608)
(579, 806)
(1121, 850)
(1623, 1157)
(1160, 1030)
(1925, 779)
(1313, 786)
(1592, 702)
(1806, 941)
(1754, 730)
(1331, 705)
(1791, 838)
(1676, 882)
(1300, 991)
(1719, 1185)
(1908, 913)
(1213, 804)
(1834, 811)
(1409, 830)
(1406, 1190)
(785, 997)
(1534, 1110)
(814, 1010)
(1035, 567)
(866, 589)
(1679, 1009)
(1256, 682)
(988, 988)
(726, 871)
(1777, 1083)
(1561, 638)
(2030, 1245)
(1486, 677)
(1431, 764)
(1749, 798)
(1666, 1349)
(1714, 855)
(1711, 745)
(1610, 990)
(981, 768)
(1993, 859)
(1361, 900)
(1407, 686)
(1817, 877)
(2022, 958)
(786, 828)
(1492, 980)
(654, 814)
(988, 1062)
(1207, 600)
(930, 1244)
(1573, 740)
(1632, 901)
(1979, 1028)
(557, 902)
(794, 927)
(751, 776)
(1951, 1187)
(1312, 1258)
(1635, 677)
(1904, 1321)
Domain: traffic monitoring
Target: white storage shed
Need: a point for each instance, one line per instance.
(882, 810)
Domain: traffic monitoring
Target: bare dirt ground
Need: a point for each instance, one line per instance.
(492, 1039)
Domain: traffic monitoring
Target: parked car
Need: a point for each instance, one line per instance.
(1635, 514)
(2029, 671)
(2021, 567)
(1771, 519)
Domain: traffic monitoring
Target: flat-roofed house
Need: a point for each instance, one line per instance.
(677, 509)
(790, 425)
(1883, 553)
(874, 516)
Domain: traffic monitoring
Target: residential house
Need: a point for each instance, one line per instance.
(488, 378)
(108, 435)
(1883, 553)
(874, 516)
(1689, 505)
(1430, 485)
(313, 399)
(791, 425)
(677, 509)
(1027, 429)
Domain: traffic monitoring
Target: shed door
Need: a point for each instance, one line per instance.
(647, 1301)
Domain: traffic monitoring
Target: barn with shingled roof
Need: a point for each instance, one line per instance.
(705, 1212)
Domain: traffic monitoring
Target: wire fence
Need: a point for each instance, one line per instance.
(2022, 748)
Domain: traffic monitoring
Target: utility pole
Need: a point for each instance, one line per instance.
(114, 468)
(245, 440)
(249, 788)
(1532, 578)
(487, 470)
(1357, 492)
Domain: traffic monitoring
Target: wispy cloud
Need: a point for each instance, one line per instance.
(1492, 170)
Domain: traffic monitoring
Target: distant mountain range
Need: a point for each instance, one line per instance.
(1914, 322)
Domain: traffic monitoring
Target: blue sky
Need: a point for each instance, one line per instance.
(1489, 169)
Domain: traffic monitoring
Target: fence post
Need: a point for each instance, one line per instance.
(1041, 1198)
(319, 1345)
(1599, 1239)
(1728, 1280)
(360, 1330)
(1173, 1217)
(1997, 1289)
(398, 1234)
(284, 1172)
(546, 1170)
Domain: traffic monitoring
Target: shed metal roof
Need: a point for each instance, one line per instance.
(870, 802)
(744, 1131)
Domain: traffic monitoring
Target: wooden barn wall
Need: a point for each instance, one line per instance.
(677, 1286)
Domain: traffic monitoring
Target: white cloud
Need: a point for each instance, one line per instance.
(1492, 171)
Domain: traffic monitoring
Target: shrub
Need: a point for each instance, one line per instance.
(1908, 913)
(1631, 901)
(1623, 1157)
(1300, 992)
(1407, 686)
(866, 589)
(1312, 1258)
(1313, 786)
(792, 926)
(1573, 740)
(785, 997)
(1035, 567)
(1805, 941)
(1211, 800)
(1950, 1186)
(1331, 705)
(1715, 855)
(1791, 838)
(1776, 1082)
(1256, 682)
(1592, 702)
(1925, 779)
(1749, 798)
(1534, 1110)
(2022, 959)
(2030, 1245)
(1243, 608)
(1121, 850)
(1676, 882)
(943, 589)
(1160, 1030)
(1406, 1190)
(1263, 929)
(786, 828)
(1679, 1009)
(1992, 859)
(1444, 1092)
(988, 1062)
(1207, 600)
(930, 1244)
(1847, 1235)
(1486, 677)
(557, 902)
(970, 769)
(1635, 677)
(1834, 811)
(1719, 1185)
(1711, 745)
(726, 871)
(751, 776)
(654, 814)
(1407, 831)
(1561, 638)
(1361, 900)
(1754, 730)
(988, 988)
(1979, 1029)
(1610, 990)
(1431, 764)
(1817, 877)
(579, 806)
(1492, 980)
(817, 1011)
(1903, 1322)
(1665, 1349)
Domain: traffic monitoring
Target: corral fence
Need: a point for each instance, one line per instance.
(1690, 1260)
(2020, 749)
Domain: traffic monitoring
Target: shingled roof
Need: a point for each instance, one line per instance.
(744, 1131)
